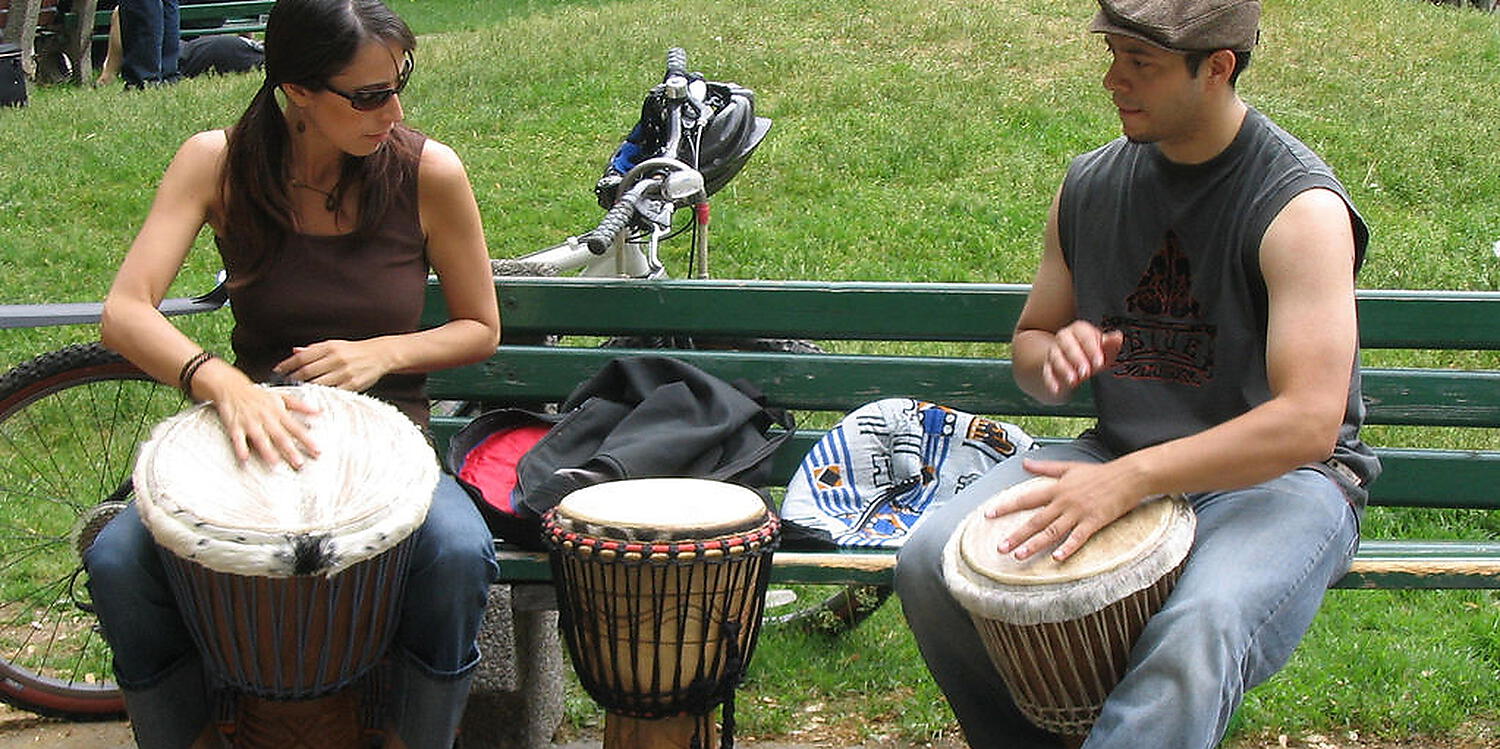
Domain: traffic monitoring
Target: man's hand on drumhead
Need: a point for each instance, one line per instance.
(1079, 351)
(1069, 511)
(268, 424)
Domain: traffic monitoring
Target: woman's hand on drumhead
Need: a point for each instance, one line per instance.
(266, 423)
(347, 365)
(1084, 498)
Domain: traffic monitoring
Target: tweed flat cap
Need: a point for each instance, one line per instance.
(1182, 25)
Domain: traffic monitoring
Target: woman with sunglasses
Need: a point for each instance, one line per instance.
(328, 213)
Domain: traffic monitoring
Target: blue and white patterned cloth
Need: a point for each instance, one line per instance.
(872, 477)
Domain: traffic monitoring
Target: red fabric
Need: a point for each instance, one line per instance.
(491, 465)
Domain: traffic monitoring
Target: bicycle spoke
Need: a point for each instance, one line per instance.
(14, 495)
(48, 648)
(16, 556)
(90, 635)
(57, 622)
(28, 616)
(103, 422)
(28, 457)
(107, 434)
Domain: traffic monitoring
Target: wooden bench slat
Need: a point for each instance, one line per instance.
(1379, 564)
(1428, 397)
(1419, 319)
(842, 382)
(783, 309)
(821, 382)
(901, 311)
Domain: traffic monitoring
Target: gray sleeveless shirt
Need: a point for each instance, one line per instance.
(1170, 255)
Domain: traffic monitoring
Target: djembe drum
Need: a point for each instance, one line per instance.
(289, 580)
(1060, 633)
(661, 586)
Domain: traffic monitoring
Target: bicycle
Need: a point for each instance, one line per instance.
(70, 419)
(69, 423)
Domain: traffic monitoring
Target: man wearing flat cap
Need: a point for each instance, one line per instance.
(1198, 273)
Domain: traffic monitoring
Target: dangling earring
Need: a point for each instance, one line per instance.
(291, 111)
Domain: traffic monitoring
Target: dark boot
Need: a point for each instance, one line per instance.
(173, 713)
(426, 710)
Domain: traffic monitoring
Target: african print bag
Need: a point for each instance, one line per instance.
(871, 479)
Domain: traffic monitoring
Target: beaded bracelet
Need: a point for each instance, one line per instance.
(185, 378)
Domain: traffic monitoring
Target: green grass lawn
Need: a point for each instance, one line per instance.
(918, 140)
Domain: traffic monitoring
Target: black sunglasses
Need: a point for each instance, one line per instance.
(369, 100)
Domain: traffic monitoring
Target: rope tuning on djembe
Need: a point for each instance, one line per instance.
(661, 587)
(290, 581)
(1060, 633)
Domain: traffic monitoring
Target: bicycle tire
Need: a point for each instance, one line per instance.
(69, 424)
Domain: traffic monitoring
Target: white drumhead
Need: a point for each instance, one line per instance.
(1126, 556)
(369, 488)
(663, 508)
(1126, 539)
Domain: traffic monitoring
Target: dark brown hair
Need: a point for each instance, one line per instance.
(1194, 60)
(307, 42)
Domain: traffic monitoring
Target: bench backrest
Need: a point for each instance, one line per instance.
(46, 12)
(235, 16)
(945, 343)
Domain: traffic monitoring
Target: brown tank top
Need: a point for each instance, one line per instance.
(336, 287)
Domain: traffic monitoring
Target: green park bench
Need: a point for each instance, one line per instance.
(24, 22)
(942, 343)
(906, 336)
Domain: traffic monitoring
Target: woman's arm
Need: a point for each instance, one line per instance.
(131, 325)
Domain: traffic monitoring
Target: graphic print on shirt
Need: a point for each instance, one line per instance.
(1165, 338)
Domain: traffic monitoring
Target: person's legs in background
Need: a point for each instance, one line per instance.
(149, 42)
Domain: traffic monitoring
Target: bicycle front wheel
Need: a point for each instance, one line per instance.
(70, 421)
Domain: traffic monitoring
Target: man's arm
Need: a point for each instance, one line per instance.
(1052, 351)
(1307, 260)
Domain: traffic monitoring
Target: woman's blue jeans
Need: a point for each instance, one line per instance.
(452, 567)
(1260, 563)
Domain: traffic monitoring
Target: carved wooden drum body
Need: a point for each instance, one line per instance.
(290, 581)
(1060, 633)
(661, 589)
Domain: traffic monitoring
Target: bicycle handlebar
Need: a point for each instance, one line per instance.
(676, 62)
(615, 220)
(634, 185)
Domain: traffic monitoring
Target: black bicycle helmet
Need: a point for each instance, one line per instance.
(719, 147)
(729, 137)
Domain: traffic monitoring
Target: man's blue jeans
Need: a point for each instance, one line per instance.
(150, 37)
(1261, 561)
(452, 567)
